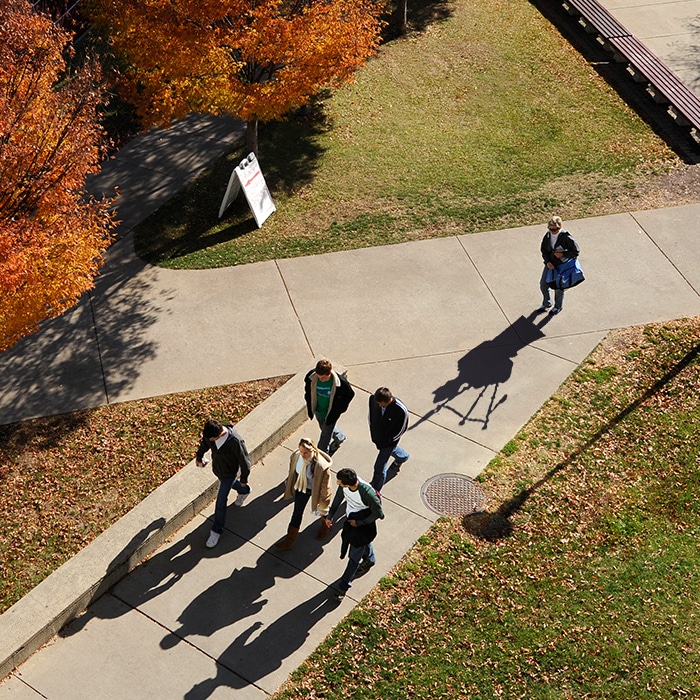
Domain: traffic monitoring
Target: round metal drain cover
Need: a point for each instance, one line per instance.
(453, 494)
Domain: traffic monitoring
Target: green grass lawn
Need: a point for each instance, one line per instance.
(583, 578)
(484, 120)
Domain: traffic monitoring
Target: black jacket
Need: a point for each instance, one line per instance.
(565, 241)
(341, 395)
(230, 458)
(387, 429)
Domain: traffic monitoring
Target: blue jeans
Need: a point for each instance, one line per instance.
(381, 464)
(355, 556)
(558, 293)
(225, 486)
(331, 437)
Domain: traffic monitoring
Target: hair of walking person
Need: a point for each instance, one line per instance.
(323, 367)
(383, 395)
(347, 477)
(212, 429)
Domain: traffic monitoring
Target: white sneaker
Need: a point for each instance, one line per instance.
(213, 539)
(241, 499)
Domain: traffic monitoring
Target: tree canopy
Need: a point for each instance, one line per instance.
(254, 59)
(51, 235)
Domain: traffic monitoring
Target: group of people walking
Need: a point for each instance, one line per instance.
(328, 395)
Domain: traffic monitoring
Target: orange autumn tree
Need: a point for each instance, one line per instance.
(254, 59)
(51, 237)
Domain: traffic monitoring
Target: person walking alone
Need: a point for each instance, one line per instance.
(309, 478)
(557, 247)
(230, 463)
(388, 421)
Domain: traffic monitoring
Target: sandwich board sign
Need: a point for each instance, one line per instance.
(248, 177)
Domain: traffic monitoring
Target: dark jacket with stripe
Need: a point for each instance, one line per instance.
(386, 429)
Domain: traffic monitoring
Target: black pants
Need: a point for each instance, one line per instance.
(301, 498)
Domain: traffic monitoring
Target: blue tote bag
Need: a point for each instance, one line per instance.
(567, 275)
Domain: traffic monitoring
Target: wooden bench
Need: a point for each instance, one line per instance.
(643, 65)
(596, 18)
(664, 85)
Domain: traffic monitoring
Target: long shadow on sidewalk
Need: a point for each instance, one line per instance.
(486, 369)
(253, 659)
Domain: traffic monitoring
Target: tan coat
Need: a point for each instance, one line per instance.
(321, 489)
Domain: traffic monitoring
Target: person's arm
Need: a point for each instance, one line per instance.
(339, 498)
(401, 413)
(371, 500)
(201, 451)
(325, 492)
(545, 250)
(372, 418)
(243, 461)
(307, 394)
(572, 248)
(344, 394)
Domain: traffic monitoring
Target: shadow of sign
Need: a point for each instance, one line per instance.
(482, 373)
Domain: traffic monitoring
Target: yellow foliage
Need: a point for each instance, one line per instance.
(255, 59)
(51, 237)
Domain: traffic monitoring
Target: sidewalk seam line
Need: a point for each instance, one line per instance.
(294, 308)
(481, 277)
(99, 349)
(663, 253)
(192, 645)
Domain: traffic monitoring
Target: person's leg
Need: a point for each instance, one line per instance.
(225, 486)
(559, 298)
(368, 555)
(400, 456)
(301, 498)
(337, 440)
(355, 556)
(326, 434)
(544, 288)
(242, 491)
(381, 464)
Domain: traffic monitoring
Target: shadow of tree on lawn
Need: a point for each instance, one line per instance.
(497, 525)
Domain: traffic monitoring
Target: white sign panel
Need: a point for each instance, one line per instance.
(248, 176)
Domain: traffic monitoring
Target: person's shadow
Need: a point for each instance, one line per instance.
(485, 369)
(170, 564)
(240, 594)
(248, 660)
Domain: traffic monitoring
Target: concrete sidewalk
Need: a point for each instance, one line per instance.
(671, 29)
(456, 339)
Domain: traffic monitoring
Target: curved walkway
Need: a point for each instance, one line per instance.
(453, 335)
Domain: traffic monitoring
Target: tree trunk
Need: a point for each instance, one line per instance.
(251, 137)
(402, 15)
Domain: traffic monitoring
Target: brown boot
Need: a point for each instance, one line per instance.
(323, 530)
(287, 542)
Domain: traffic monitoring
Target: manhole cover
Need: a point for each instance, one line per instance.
(453, 494)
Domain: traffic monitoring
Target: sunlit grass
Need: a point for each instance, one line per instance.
(486, 120)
